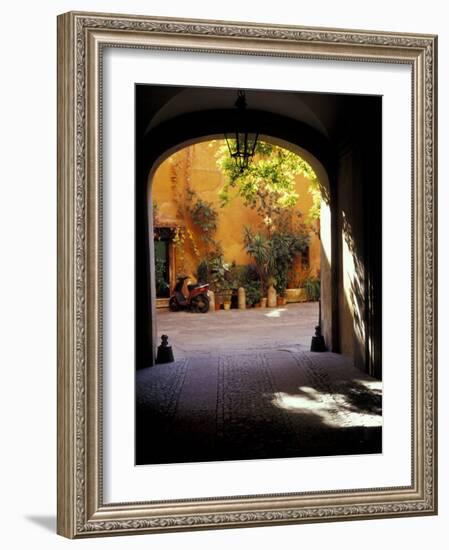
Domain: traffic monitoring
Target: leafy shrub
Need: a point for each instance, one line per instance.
(215, 271)
(312, 286)
(161, 283)
(241, 275)
(259, 248)
(202, 272)
(251, 275)
(205, 216)
(252, 293)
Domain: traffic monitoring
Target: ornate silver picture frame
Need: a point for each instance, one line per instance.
(82, 509)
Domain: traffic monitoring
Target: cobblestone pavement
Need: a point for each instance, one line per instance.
(253, 391)
(236, 330)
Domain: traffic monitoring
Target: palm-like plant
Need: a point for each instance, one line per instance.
(259, 248)
(313, 288)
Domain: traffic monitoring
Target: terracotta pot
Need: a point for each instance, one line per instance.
(217, 306)
(263, 302)
(294, 295)
(281, 300)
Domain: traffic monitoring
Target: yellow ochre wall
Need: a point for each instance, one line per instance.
(196, 166)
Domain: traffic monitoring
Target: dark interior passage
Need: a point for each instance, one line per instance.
(262, 404)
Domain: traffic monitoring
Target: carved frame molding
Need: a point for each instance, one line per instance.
(81, 38)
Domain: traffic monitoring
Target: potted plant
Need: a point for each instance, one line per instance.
(215, 269)
(281, 300)
(252, 293)
(312, 287)
(259, 248)
(286, 243)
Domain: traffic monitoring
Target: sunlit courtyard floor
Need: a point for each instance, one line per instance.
(245, 386)
(236, 330)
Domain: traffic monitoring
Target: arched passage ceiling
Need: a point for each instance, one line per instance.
(159, 104)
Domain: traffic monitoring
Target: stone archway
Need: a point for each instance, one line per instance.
(349, 163)
(265, 122)
(325, 235)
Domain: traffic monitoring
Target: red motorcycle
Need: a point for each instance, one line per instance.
(197, 300)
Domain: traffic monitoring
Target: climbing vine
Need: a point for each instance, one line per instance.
(183, 235)
(204, 216)
(268, 185)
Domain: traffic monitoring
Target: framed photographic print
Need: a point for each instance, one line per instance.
(246, 276)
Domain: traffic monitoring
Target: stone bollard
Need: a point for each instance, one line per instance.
(164, 351)
(242, 298)
(272, 299)
(211, 295)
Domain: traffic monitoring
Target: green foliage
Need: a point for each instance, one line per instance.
(237, 275)
(268, 185)
(259, 248)
(223, 278)
(289, 240)
(285, 247)
(274, 255)
(161, 284)
(204, 215)
(252, 293)
(312, 286)
(214, 270)
(251, 275)
(202, 272)
(243, 276)
(315, 209)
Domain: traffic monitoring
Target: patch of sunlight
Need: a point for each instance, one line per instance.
(371, 385)
(325, 231)
(349, 272)
(275, 312)
(334, 410)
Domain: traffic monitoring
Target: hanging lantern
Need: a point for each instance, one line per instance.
(241, 144)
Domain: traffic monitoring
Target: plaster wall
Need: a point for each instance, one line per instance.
(195, 167)
(351, 272)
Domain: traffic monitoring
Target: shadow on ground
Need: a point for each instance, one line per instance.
(46, 522)
(269, 404)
